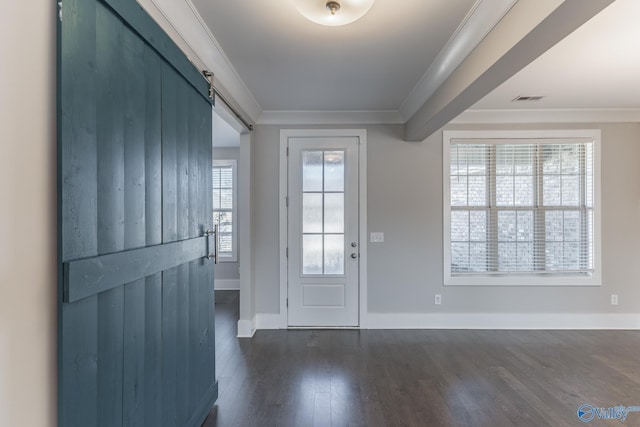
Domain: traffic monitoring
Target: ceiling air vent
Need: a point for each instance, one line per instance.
(527, 98)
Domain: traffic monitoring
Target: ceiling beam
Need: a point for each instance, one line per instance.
(529, 29)
(480, 20)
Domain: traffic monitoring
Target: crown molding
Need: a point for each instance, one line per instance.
(552, 115)
(482, 17)
(192, 31)
(317, 117)
(504, 116)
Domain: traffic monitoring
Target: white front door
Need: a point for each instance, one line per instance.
(323, 241)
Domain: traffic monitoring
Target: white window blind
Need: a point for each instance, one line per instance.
(223, 174)
(521, 206)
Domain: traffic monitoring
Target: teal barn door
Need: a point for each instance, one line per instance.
(136, 302)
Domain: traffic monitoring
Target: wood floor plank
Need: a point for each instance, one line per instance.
(419, 378)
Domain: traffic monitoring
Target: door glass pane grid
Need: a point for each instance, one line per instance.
(323, 212)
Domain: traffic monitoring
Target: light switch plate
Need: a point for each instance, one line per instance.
(376, 237)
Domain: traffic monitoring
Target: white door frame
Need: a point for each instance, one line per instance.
(361, 134)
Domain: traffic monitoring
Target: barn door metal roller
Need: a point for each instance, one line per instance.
(215, 93)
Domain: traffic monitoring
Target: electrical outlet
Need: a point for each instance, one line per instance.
(438, 299)
(376, 237)
(614, 299)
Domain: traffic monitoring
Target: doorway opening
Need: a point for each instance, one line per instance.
(230, 177)
(226, 156)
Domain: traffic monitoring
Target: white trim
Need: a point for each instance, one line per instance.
(361, 134)
(504, 321)
(194, 32)
(246, 328)
(267, 321)
(226, 284)
(505, 116)
(550, 115)
(308, 118)
(522, 280)
(363, 234)
(282, 204)
(247, 285)
(482, 17)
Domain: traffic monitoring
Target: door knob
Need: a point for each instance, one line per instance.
(354, 256)
(354, 244)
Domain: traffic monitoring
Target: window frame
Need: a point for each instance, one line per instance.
(233, 256)
(518, 278)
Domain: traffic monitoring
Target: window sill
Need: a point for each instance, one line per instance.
(525, 280)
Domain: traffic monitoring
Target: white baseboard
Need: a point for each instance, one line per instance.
(267, 321)
(226, 284)
(549, 321)
(246, 328)
(503, 321)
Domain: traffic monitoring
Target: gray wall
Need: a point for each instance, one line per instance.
(28, 280)
(265, 217)
(405, 202)
(229, 270)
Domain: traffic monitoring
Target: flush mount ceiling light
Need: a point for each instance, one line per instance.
(333, 13)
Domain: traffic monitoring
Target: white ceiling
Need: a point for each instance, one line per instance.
(404, 62)
(290, 63)
(595, 67)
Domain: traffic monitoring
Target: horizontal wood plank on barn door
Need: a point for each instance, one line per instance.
(89, 276)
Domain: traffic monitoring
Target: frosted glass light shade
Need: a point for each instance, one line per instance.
(316, 11)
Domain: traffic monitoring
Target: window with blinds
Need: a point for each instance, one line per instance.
(520, 206)
(223, 175)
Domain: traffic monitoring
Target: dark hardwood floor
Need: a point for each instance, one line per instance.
(420, 378)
